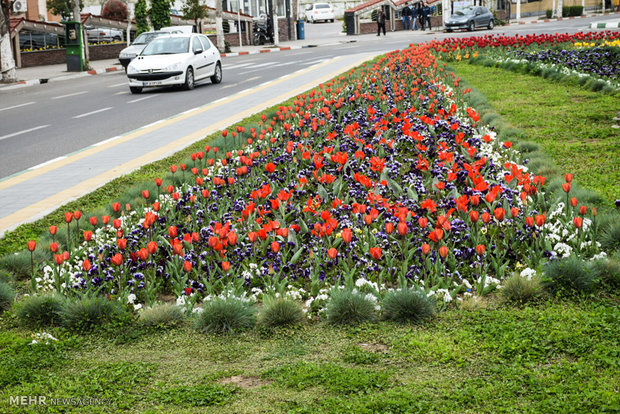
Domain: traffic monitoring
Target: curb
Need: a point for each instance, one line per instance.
(607, 25)
(256, 52)
(33, 82)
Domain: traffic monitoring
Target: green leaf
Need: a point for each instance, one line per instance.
(297, 255)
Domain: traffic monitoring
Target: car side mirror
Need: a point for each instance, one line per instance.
(197, 51)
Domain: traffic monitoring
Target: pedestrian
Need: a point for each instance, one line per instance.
(380, 22)
(419, 13)
(406, 14)
(414, 17)
(426, 16)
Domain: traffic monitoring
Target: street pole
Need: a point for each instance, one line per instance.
(519, 10)
(239, 20)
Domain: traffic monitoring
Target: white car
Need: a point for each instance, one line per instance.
(320, 11)
(181, 59)
(134, 49)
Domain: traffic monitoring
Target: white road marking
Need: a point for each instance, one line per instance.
(143, 98)
(69, 94)
(284, 64)
(48, 162)
(25, 131)
(118, 85)
(92, 112)
(106, 141)
(241, 65)
(122, 93)
(15, 106)
(253, 78)
(232, 85)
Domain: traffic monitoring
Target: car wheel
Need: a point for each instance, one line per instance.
(491, 24)
(189, 79)
(135, 89)
(470, 26)
(217, 76)
(449, 30)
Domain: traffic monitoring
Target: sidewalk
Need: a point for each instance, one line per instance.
(53, 73)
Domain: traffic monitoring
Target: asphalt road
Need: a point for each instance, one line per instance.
(43, 122)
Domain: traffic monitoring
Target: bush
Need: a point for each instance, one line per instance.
(610, 236)
(38, 311)
(349, 307)
(568, 276)
(162, 315)
(18, 264)
(408, 305)
(7, 295)
(278, 312)
(548, 13)
(520, 290)
(608, 272)
(226, 316)
(87, 313)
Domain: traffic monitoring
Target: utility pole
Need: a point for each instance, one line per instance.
(7, 67)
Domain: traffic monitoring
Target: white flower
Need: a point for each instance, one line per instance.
(181, 300)
(527, 273)
(131, 298)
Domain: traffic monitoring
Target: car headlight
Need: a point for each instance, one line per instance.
(131, 69)
(174, 66)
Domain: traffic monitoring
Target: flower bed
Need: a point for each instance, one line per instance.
(378, 178)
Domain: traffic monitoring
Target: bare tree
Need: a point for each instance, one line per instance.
(7, 62)
(219, 29)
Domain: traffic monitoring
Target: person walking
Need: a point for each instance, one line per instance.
(406, 14)
(414, 17)
(426, 16)
(380, 22)
(419, 13)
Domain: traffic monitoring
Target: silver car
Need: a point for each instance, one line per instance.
(470, 18)
(138, 45)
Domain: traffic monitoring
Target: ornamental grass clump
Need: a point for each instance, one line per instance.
(519, 290)
(39, 311)
(350, 307)
(226, 316)
(568, 276)
(608, 271)
(408, 306)
(87, 313)
(279, 312)
(7, 295)
(610, 237)
(162, 315)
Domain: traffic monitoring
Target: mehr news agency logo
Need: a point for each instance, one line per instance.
(41, 400)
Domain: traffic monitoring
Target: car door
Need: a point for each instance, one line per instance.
(198, 59)
(210, 55)
(479, 17)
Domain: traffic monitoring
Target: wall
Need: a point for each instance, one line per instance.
(56, 56)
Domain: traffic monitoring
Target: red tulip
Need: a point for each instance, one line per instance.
(566, 187)
(423, 222)
(499, 213)
(443, 252)
(187, 266)
(583, 210)
(568, 177)
(474, 200)
(332, 253)
(252, 236)
(573, 201)
(529, 221)
(486, 217)
(347, 235)
(226, 266)
(480, 249)
(77, 214)
(86, 265)
(172, 231)
(58, 258)
(232, 238)
(275, 246)
(540, 220)
(116, 207)
(578, 221)
(117, 259)
(173, 168)
(158, 182)
(146, 194)
(105, 220)
(88, 235)
(54, 247)
(270, 167)
(188, 291)
(375, 252)
(473, 216)
(122, 244)
(65, 255)
(93, 221)
(53, 230)
(402, 228)
(116, 223)
(426, 248)
(151, 247)
(68, 217)
(177, 248)
(32, 245)
(143, 254)
(514, 212)
(389, 228)
(224, 134)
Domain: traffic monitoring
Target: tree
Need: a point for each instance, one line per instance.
(219, 29)
(7, 66)
(142, 22)
(62, 8)
(192, 9)
(114, 9)
(160, 13)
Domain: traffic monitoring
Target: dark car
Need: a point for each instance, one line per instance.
(470, 18)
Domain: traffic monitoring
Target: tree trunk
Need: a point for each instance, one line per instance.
(274, 15)
(7, 66)
(78, 18)
(219, 29)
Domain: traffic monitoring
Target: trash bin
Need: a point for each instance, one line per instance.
(73, 46)
(301, 31)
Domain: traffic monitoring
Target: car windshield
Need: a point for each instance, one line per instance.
(322, 6)
(167, 46)
(465, 12)
(144, 38)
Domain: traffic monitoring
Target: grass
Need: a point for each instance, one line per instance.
(572, 125)
(556, 357)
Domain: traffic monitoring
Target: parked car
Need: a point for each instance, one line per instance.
(138, 45)
(103, 34)
(180, 59)
(320, 11)
(470, 18)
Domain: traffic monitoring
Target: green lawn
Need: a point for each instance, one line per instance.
(573, 125)
(559, 357)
